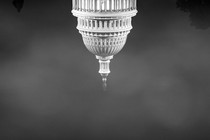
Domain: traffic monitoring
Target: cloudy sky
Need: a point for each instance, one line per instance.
(158, 89)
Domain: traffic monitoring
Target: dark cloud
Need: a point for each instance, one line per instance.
(18, 4)
(199, 12)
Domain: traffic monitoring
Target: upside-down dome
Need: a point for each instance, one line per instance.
(104, 26)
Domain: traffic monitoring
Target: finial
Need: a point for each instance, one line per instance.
(104, 80)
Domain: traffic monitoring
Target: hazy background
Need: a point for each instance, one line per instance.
(158, 89)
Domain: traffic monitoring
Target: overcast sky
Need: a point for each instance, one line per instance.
(50, 88)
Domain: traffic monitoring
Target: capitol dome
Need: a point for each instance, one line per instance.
(104, 26)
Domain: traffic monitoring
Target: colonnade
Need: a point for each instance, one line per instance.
(104, 5)
(104, 24)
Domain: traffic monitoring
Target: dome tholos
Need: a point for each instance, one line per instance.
(104, 26)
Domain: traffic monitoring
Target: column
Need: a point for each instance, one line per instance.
(96, 24)
(76, 4)
(110, 24)
(82, 23)
(105, 5)
(101, 5)
(81, 2)
(115, 5)
(100, 24)
(110, 5)
(84, 5)
(124, 23)
(87, 23)
(80, 5)
(88, 5)
(115, 24)
(135, 4)
(119, 23)
(105, 25)
(119, 5)
(91, 24)
(122, 5)
(79, 22)
(117, 2)
(97, 5)
(91, 5)
(126, 5)
(131, 5)
(73, 4)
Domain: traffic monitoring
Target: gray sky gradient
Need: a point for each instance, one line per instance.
(50, 87)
